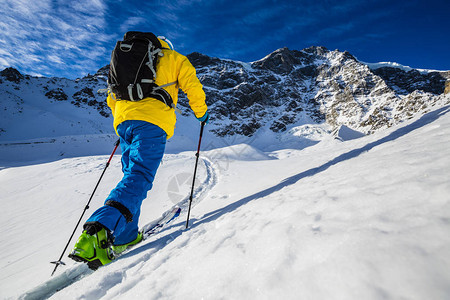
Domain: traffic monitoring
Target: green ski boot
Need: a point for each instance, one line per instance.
(93, 247)
(117, 249)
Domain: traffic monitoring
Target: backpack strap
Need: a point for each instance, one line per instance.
(165, 85)
(151, 54)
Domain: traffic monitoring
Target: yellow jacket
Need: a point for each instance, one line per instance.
(171, 67)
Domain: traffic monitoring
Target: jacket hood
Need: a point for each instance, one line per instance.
(164, 44)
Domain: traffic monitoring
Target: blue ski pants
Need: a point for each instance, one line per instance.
(143, 146)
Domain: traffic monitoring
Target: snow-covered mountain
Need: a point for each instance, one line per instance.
(278, 96)
(38, 107)
(314, 85)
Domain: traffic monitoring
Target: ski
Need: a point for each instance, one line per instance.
(151, 228)
(79, 271)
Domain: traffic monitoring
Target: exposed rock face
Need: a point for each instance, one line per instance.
(407, 82)
(325, 86)
(57, 94)
(447, 87)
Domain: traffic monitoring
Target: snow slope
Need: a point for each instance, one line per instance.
(398, 66)
(367, 218)
(27, 112)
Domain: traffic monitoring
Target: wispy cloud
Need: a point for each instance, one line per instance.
(132, 23)
(43, 36)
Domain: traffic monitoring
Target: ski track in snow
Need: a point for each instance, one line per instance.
(203, 188)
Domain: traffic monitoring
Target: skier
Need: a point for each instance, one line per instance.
(143, 127)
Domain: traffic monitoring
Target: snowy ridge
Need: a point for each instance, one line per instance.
(378, 65)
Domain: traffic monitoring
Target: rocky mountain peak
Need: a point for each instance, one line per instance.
(12, 75)
(103, 71)
(316, 50)
(202, 60)
(281, 61)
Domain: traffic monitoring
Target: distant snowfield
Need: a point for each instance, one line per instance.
(368, 218)
(378, 65)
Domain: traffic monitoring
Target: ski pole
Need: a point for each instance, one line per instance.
(195, 172)
(59, 262)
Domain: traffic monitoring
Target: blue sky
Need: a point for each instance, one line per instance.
(73, 38)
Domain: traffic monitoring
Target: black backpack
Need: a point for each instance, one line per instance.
(132, 69)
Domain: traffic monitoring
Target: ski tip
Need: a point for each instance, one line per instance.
(175, 210)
